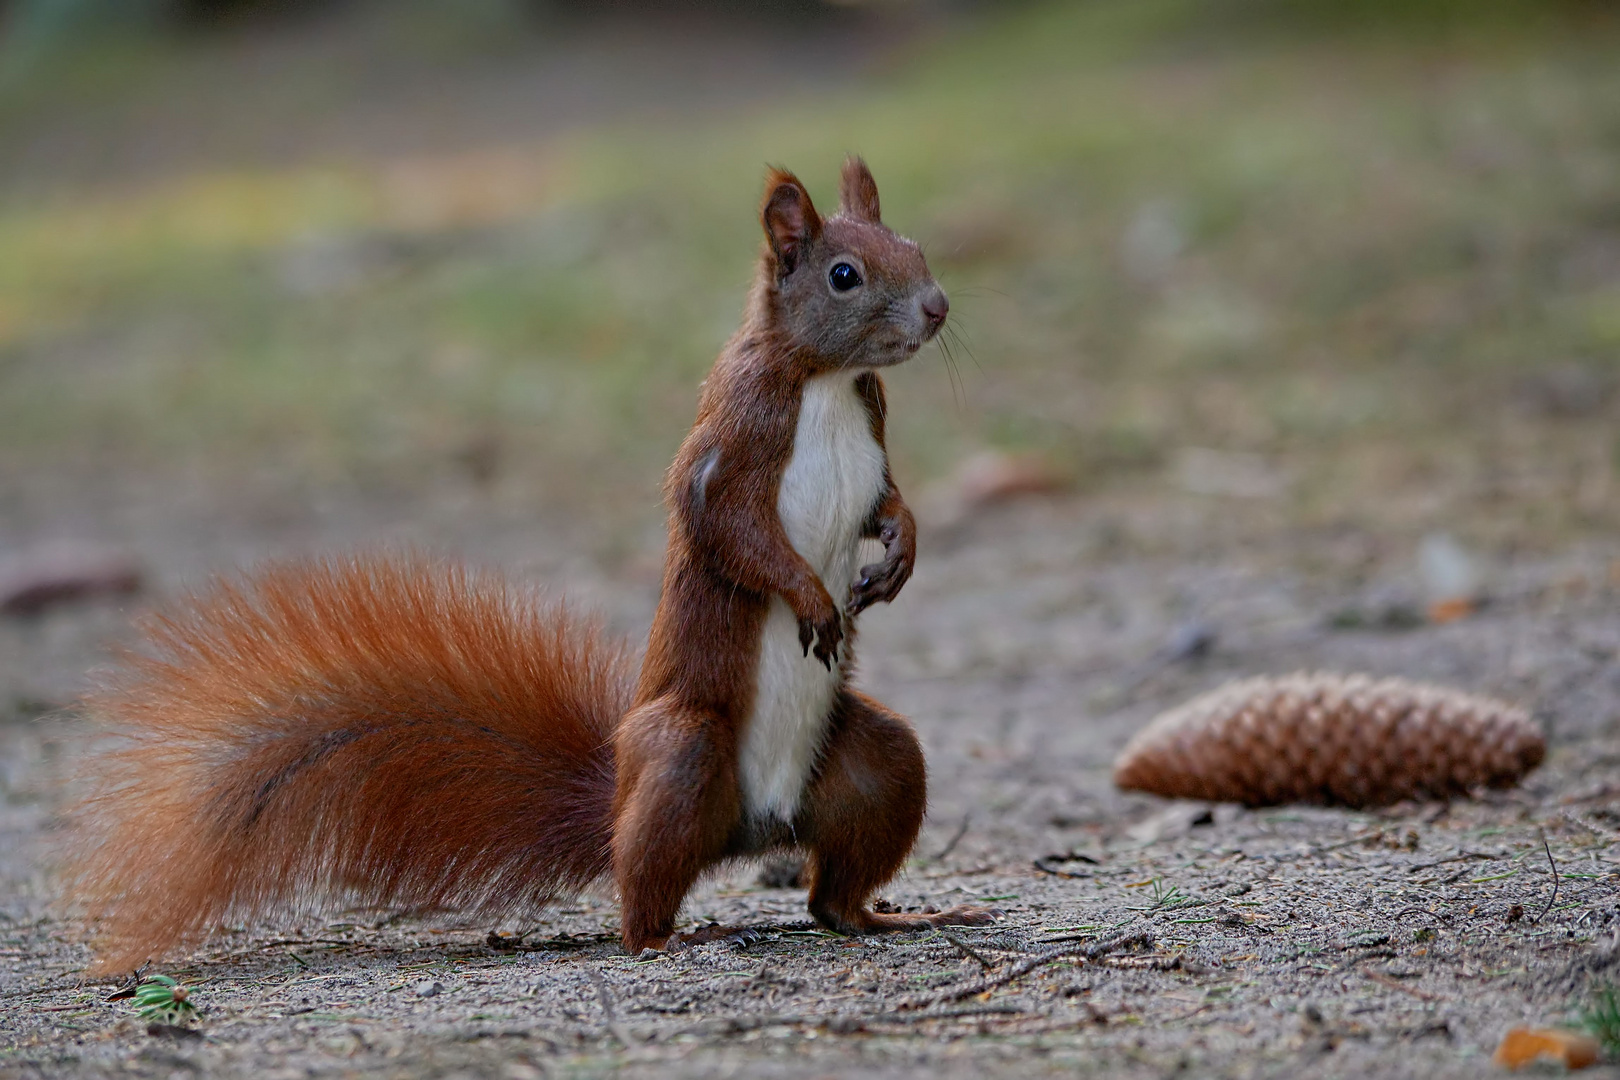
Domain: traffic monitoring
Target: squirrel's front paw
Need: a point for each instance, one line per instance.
(826, 630)
(881, 581)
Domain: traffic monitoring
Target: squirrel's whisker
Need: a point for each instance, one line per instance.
(952, 373)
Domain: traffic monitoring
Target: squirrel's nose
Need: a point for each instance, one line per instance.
(935, 306)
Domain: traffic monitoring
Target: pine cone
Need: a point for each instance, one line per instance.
(1324, 738)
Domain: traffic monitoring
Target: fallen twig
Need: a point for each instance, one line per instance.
(567, 941)
(1422, 911)
(1188, 1015)
(1359, 838)
(1072, 856)
(734, 1025)
(305, 941)
(955, 839)
(1094, 951)
(1580, 822)
(1384, 980)
(944, 1014)
(1373, 954)
(967, 950)
(1553, 899)
(52, 988)
(450, 947)
(1173, 962)
(1463, 857)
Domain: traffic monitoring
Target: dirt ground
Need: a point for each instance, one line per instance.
(1028, 648)
(1258, 436)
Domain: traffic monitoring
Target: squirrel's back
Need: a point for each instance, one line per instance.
(368, 731)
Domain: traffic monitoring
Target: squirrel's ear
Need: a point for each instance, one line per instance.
(791, 222)
(858, 192)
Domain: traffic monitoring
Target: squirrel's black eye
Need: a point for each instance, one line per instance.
(844, 277)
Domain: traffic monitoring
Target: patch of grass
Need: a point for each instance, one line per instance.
(1350, 253)
(1166, 897)
(1602, 1018)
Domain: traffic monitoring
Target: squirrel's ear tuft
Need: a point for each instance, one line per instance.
(858, 192)
(791, 222)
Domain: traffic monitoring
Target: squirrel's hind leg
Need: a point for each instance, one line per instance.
(862, 816)
(676, 807)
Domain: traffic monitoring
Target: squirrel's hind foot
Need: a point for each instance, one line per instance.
(737, 936)
(882, 922)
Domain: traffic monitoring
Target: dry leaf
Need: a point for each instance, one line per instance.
(991, 478)
(1520, 1046)
(35, 580)
(1445, 611)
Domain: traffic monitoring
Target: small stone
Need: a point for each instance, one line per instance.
(1171, 823)
(428, 988)
(1451, 578)
(1192, 640)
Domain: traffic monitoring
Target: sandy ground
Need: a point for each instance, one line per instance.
(1033, 641)
(1029, 646)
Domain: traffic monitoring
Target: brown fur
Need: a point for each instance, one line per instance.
(446, 741)
(728, 554)
(395, 732)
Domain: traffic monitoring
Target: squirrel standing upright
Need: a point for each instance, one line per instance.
(391, 731)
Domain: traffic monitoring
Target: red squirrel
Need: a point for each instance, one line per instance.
(391, 731)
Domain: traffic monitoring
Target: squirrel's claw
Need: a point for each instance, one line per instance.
(826, 633)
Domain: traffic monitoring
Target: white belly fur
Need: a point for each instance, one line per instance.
(830, 486)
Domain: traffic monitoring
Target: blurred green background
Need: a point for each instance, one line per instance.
(1350, 264)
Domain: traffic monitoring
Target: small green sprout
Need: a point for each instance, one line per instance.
(1167, 897)
(161, 998)
(1602, 1019)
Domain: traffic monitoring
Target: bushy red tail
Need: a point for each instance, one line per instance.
(384, 731)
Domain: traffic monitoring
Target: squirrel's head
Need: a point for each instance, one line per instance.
(846, 289)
